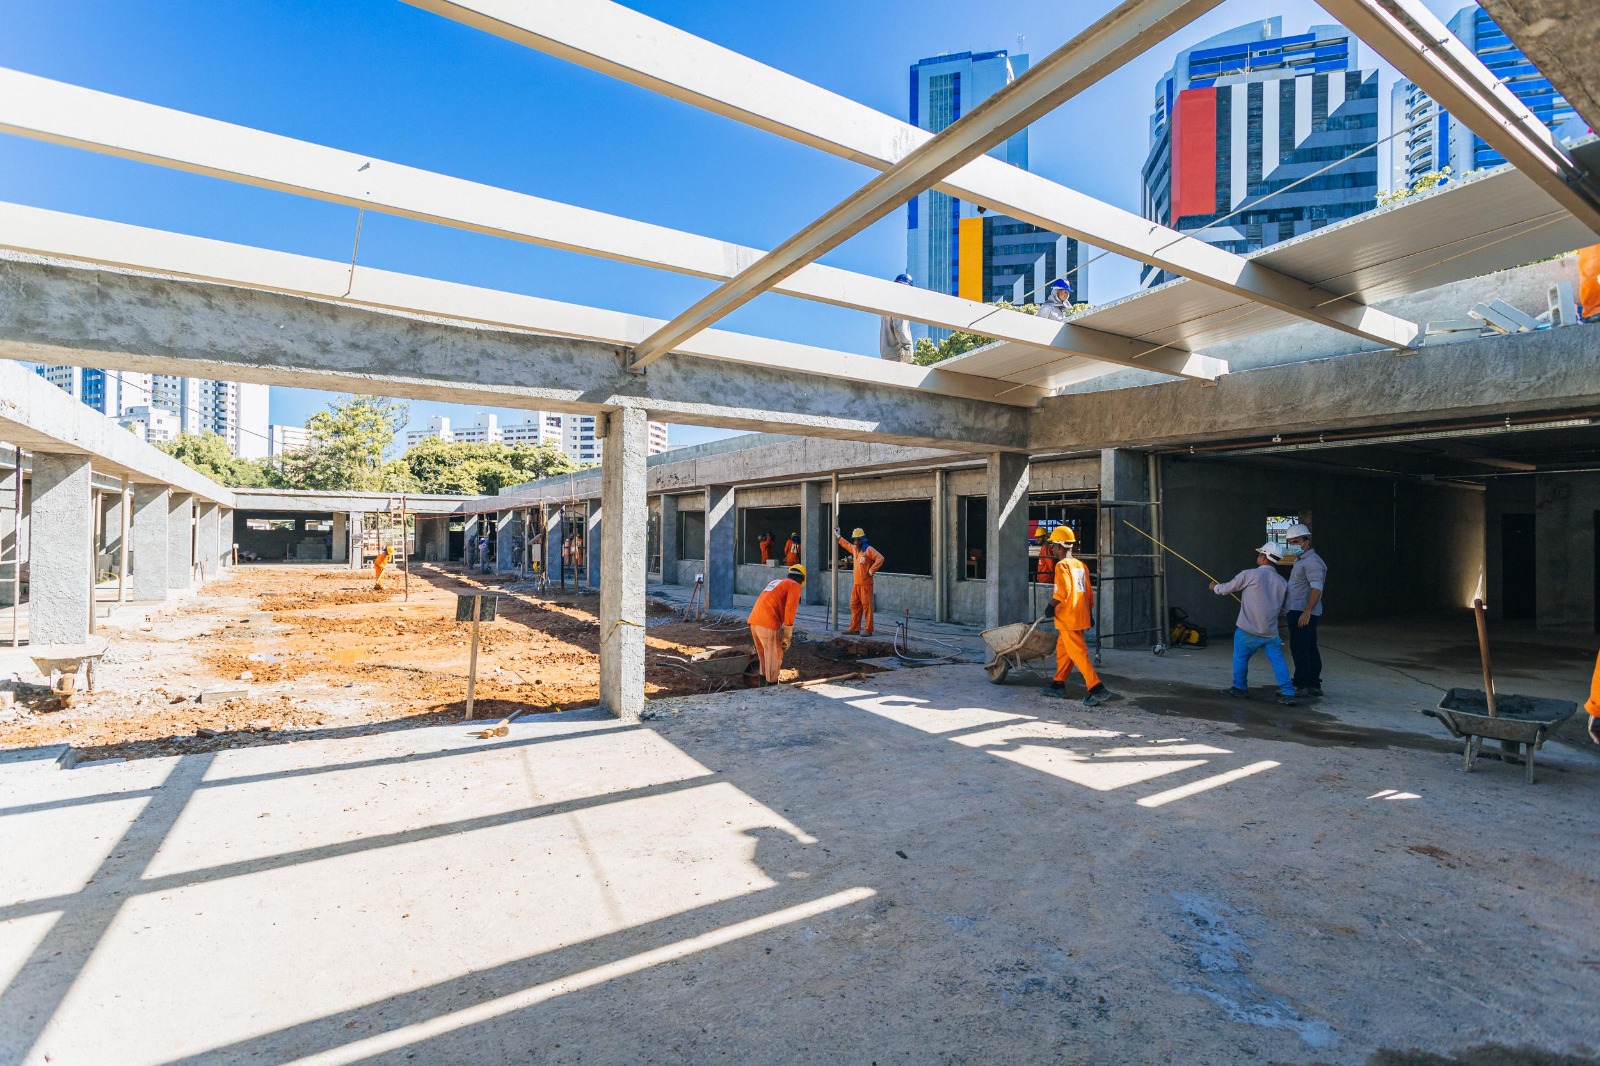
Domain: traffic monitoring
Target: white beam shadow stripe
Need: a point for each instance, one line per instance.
(1215, 781)
(482, 1012)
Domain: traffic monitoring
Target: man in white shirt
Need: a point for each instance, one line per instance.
(894, 334)
(1306, 581)
(1262, 591)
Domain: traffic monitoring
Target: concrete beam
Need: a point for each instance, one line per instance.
(149, 534)
(1422, 48)
(622, 550)
(65, 313)
(1005, 594)
(307, 501)
(180, 541)
(1530, 373)
(1562, 38)
(37, 416)
(720, 568)
(1092, 54)
(635, 48)
(61, 556)
(53, 111)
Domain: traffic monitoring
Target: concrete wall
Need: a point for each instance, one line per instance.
(1567, 508)
(1393, 548)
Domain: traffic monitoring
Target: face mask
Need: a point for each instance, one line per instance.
(1295, 549)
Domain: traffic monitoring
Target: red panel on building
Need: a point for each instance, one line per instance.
(1194, 153)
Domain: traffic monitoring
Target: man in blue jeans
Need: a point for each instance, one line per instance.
(1262, 592)
(1306, 580)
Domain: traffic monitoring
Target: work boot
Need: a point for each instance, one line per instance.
(1098, 694)
(852, 632)
(1288, 701)
(1309, 691)
(1055, 689)
(1237, 693)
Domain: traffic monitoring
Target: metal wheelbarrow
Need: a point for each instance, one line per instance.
(718, 671)
(1523, 721)
(61, 662)
(1014, 647)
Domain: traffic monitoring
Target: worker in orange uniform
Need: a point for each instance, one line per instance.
(1593, 706)
(1589, 283)
(765, 544)
(772, 622)
(868, 561)
(791, 550)
(379, 561)
(1072, 607)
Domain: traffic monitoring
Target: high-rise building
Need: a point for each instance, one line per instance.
(1257, 137)
(153, 425)
(285, 439)
(438, 426)
(581, 444)
(485, 429)
(960, 248)
(1428, 138)
(536, 428)
(236, 411)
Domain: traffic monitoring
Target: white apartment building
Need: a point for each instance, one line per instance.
(438, 426)
(537, 427)
(284, 439)
(234, 410)
(574, 435)
(153, 425)
(580, 443)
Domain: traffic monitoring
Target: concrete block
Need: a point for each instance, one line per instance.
(223, 693)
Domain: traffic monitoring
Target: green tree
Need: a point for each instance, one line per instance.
(348, 442)
(479, 468)
(210, 455)
(928, 353)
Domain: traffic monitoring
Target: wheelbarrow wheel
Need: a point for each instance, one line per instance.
(1159, 649)
(997, 671)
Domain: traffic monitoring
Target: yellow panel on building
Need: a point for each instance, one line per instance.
(969, 259)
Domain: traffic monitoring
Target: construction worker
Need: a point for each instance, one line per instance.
(379, 561)
(1306, 580)
(1072, 607)
(1593, 706)
(772, 622)
(765, 544)
(868, 561)
(1262, 592)
(791, 550)
(1057, 301)
(894, 334)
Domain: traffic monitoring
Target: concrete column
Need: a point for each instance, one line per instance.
(224, 538)
(438, 538)
(340, 546)
(592, 560)
(813, 541)
(942, 570)
(354, 525)
(505, 524)
(60, 567)
(110, 530)
(11, 546)
(207, 533)
(180, 541)
(622, 488)
(719, 564)
(148, 532)
(669, 540)
(555, 531)
(1005, 597)
(469, 541)
(1125, 595)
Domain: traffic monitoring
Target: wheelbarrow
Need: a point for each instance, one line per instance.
(1014, 647)
(1521, 721)
(718, 671)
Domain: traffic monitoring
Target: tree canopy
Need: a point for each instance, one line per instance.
(348, 442)
(958, 343)
(210, 454)
(479, 468)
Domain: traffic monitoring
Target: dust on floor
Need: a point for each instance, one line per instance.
(322, 652)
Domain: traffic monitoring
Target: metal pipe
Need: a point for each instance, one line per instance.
(833, 561)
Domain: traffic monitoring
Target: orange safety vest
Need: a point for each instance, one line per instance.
(791, 552)
(1074, 595)
(867, 562)
(1593, 706)
(776, 605)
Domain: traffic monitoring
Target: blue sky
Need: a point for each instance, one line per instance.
(383, 78)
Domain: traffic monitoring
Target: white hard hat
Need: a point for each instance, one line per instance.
(1271, 551)
(1299, 529)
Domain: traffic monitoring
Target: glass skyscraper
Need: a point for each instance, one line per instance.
(1256, 137)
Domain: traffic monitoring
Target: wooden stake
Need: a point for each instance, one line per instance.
(1483, 653)
(472, 659)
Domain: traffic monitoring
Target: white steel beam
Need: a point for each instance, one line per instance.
(59, 113)
(65, 236)
(1422, 48)
(1089, 56)
(615, 40)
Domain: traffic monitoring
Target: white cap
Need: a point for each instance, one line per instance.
(1271, 551)
(1299, 529)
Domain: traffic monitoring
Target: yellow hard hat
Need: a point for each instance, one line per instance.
(797, 571)
(857, 532)
(1063, 535)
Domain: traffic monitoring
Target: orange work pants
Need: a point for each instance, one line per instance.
(1072, 650)
(377, 570)
(769, 651)
(861, 606)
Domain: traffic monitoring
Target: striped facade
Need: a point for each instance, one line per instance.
(1257, 138)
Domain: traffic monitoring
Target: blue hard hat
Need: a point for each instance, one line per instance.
(1061, 283)
(904, 279)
